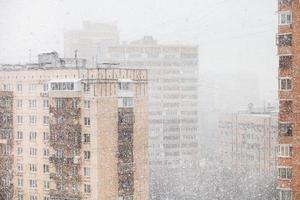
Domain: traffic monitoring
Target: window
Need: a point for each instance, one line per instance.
(62, 86)
(87, 171)
(86, 87)
(285, 83)
(87, 188)
(285, 18)
(45, 136)
(46, 198)
(285, 61)
(46, 152)
(125, 102)
(32, 136)
(32, 119)
(32, 184)
(285, 129)
(284, 172)
(19, 87)
(46, 186)
(45, 87)
(20, 119)
(33, 152)
(19, 151)
(6, 87)
(46, 120)
(284, 194)
(46, 168)
(33, 197)
(32, 168)
(284, 40)
(20, 197)
(20, 182)
(86, 138)
(19, 135)
(87, 121)
(32, 87)
(60, 153)
(46, 104)
(59, 103)
(286, 106)
(86, 104)
(87, 155)
(284, 150)
(19, 103)
(284, 1)
(124, 85)
(19, 167)
(32, 103)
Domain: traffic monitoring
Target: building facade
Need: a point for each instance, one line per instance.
(173, 98)
(69, 132)
(90, 42)
(248, 142)
(288, 42)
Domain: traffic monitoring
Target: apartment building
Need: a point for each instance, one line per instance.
(68, 132)
(248, 141)
(91, 40)
(173, 98)
(288, 42)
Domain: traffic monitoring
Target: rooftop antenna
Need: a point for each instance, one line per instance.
(76, 61)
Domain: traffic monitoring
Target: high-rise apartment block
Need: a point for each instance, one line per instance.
(68, 132)
(248, 141)
(173, 98)
(90, 42)
(288, 42)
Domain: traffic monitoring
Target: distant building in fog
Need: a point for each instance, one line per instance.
(248, 140)
(91, 40)
(173, 98)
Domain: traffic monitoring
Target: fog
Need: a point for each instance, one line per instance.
(237, 63)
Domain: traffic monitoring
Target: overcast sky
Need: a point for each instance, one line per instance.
(233, 35)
